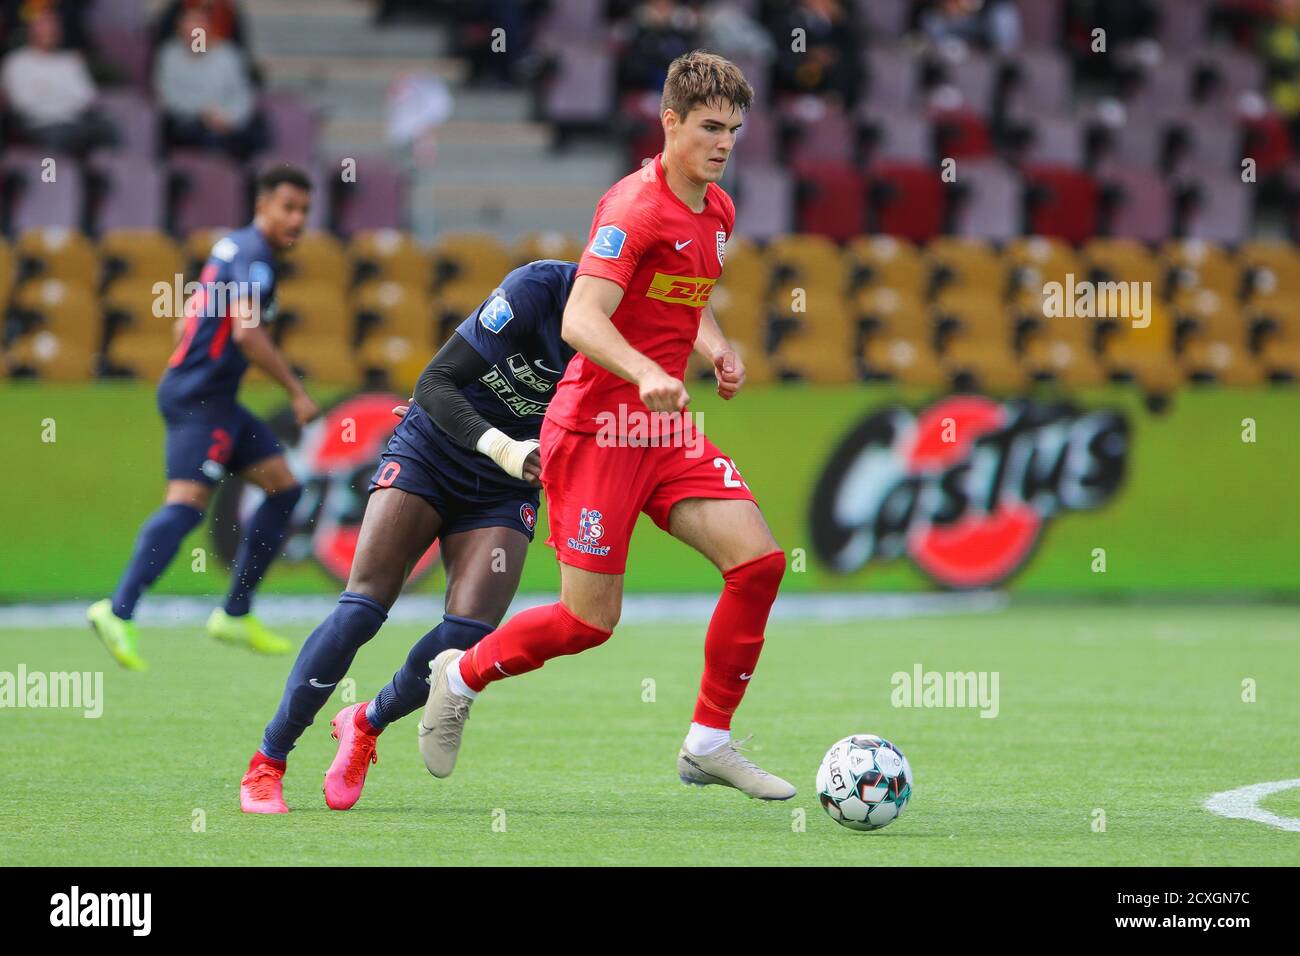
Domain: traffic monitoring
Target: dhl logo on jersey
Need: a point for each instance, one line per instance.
(681, 290)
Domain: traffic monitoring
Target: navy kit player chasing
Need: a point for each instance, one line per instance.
(209, 434)
(463, 467)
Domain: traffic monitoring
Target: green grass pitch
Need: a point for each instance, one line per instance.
(1135, 711)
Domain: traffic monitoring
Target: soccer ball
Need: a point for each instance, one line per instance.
(864, 782)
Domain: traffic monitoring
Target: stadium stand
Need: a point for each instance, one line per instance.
(897, 218)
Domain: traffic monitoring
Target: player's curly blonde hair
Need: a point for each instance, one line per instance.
(700, 77)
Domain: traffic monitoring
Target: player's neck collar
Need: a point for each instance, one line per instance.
(663, 176)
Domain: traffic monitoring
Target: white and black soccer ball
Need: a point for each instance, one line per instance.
(864, 782)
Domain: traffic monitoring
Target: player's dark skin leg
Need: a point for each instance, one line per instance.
(483, 570)
(397, 528)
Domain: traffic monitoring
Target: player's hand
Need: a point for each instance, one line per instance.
(401, 410)
(533, 468)
(304, 409)
(663, 393)
(729, 371)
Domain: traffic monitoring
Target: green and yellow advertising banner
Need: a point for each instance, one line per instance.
(867, 487)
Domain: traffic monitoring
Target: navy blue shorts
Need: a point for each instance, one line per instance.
(206, 444)
(463, 499)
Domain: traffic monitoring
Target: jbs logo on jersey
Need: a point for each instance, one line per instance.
(496, 380)
(524, 374)
(495, 314)
(608, 242)
(680, 290)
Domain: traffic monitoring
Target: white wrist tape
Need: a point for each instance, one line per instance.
(508, 453)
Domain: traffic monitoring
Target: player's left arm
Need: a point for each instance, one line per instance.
(252, 339)
(728, 369)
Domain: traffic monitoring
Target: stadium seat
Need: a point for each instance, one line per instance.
(1122, 259)
(891, 80)
(391, 309)
(546, 245)
(875, 261)
(471, 260)
(809, 263)
(820, 132)
(135, 119)
(45, 190)
(129, 192)
(7, 273)
(206, 191)
(1270, 269)
(906, 200)
(898, 137)
(59, 253)
(316, 257)
(376, 199)
(391, 255)
(1135, 203)
(965, 263)
(1214, 346)
(765, 201)
(1062, 202)
(293, 125)
(987, 201)
(818, 345)
(1039, 82)
(143, 255)
(315, 331)
(68, 310)
(1034, 261)
(1220, 206)
(141, 338)
(1194, 265)
(579, 88)
(831, 200)
(1143, 355)
(1275, 332)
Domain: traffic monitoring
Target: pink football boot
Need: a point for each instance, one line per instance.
(347, 774)
(262, 790)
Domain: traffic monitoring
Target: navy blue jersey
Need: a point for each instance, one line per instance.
(516, 330)
(207, 366)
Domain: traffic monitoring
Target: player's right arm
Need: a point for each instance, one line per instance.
(586, 326)
(251, 339)
(439, 395)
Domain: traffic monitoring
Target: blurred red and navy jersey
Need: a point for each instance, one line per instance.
(207, 366)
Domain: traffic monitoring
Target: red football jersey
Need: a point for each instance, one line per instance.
(667, 259)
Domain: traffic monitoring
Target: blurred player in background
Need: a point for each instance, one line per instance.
(462, 467)
(210, 435)
(639, 305)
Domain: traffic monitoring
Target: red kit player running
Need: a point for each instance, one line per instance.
(638, 307)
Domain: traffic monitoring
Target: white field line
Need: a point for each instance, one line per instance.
(1243, 804)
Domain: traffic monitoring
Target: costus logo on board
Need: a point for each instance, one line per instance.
(965, 487)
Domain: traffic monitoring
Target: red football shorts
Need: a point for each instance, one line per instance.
(594, 493)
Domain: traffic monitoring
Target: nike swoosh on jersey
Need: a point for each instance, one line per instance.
(682, 245)
(544, 368)
(315, 683)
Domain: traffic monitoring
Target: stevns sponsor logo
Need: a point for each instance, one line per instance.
(965, 487)
(681, 290)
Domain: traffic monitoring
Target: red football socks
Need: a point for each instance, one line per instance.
(526, 642)
(735, 637)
